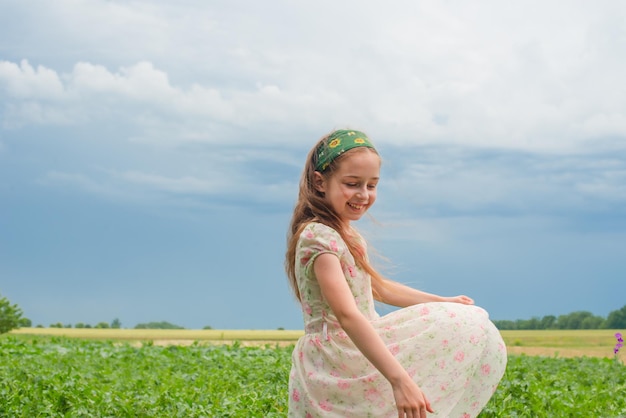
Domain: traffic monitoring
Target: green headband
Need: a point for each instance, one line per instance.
(337, 143)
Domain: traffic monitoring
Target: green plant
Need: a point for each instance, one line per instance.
(62, 377)
(10, 315)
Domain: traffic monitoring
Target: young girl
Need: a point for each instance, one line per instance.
(439, 356)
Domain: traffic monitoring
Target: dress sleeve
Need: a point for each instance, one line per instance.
(318, 239)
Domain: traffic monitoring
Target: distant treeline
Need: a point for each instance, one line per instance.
(114, 324)
(575, 320)
(158, 325)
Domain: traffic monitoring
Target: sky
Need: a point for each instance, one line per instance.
(150, 152)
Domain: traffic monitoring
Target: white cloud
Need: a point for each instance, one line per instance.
(32, 112)
(521, 75)
(528, 76)
(25, 82)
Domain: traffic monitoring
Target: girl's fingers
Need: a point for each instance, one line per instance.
(415, 413)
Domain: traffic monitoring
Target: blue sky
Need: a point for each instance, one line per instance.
(150, 152)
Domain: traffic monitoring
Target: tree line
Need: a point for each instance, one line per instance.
(11, 318)
(116, 324)
(575, 320)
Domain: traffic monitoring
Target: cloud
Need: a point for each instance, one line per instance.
(25, 82)
(439, 181)
(121, 185)
(232, 182)
(184, 185)
(537, 77)
(140, 95)
(85, 183)
(210, 92)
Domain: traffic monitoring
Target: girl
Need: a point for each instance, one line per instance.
(438, 355)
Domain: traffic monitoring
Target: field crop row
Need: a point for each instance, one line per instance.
(61, 377)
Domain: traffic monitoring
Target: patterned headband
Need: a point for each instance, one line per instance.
(337, 143)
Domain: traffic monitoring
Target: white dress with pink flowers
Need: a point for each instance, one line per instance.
(453, 351)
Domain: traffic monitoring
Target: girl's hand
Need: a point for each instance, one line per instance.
(465, 300)
(410, 400)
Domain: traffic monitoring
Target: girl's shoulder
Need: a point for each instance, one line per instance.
(318, 229)
(318, 238)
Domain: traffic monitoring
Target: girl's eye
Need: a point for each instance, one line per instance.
(371, 186)
(351, 184)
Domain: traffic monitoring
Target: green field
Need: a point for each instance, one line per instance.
(126, 373)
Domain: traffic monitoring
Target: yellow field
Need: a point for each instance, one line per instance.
(563, 343)
(553, 343)
(167, 335)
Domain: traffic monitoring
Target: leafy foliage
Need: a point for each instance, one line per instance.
(58, 377)
(540, 387)
(575, 320)
(617, 319)
(25, 323)
(10, 316)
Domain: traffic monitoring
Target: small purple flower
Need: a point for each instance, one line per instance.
(620, 343)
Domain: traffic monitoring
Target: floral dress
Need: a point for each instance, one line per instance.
(453, 352)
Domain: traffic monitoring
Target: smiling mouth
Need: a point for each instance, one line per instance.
(355, 206)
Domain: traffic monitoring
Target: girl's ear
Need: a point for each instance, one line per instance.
(319, 182)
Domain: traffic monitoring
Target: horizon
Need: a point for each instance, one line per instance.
(208, 327)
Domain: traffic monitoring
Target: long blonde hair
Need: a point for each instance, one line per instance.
(312, 205)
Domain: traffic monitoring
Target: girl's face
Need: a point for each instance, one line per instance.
(351, 188)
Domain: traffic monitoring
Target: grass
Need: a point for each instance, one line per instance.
(57, 376)
(43, 376)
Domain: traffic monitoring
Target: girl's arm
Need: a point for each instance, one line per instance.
(397, 294)
(409, 398)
